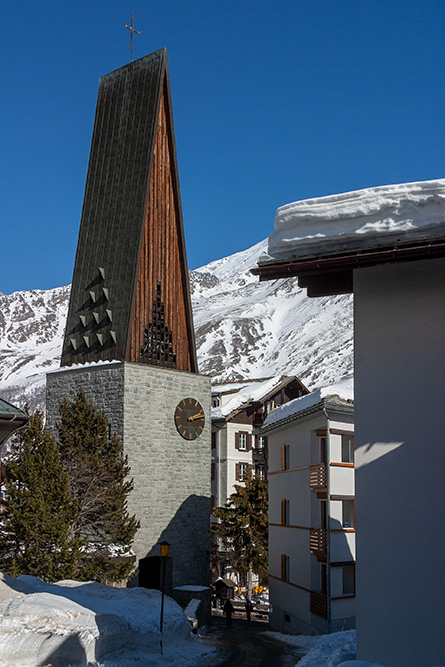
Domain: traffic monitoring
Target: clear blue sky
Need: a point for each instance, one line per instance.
(273, 101)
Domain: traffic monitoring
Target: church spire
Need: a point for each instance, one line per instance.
(130, 297)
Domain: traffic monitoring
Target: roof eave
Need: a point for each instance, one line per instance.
(332, 273)
(327, 403)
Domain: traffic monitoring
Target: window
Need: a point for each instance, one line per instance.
(349, 579)
(260, 471)
(284, 512)
(261, 442)
(241, 471)
(214, 435)
(323, 450)
(212, 469)
(285, 567)
(286, 618)
(323, 514)
(348, 513)
(347, 448)
(243, 441)
(323, 578)
(215, 402)
(284, 457)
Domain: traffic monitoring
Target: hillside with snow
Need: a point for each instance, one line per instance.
(244, 329)
(247, 329)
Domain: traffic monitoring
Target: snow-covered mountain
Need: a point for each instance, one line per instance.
(247, 329)
(32, 325)
(244, 329)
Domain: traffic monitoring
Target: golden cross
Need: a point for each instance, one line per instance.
(132, 30)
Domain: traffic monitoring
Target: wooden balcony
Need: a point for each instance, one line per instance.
(318, 543)
(258, 419)
(319, 604)
(259, 455)
(318, 477)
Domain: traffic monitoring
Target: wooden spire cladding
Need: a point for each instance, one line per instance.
(130, 296)
(159, 330)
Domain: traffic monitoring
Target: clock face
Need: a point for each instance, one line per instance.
(189, 418)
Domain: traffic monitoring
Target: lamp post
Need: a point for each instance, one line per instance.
(165, 548)
(215, 558)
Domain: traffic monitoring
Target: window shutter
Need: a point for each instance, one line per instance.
(249, 442)
(283, 567)
(237, 472)
(237, 440)
(283, 457)
(283, 512)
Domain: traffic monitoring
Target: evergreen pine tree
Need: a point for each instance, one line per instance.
(243, 527)
(36, 533)
(98, 477)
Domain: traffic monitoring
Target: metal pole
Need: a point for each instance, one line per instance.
(162, 598)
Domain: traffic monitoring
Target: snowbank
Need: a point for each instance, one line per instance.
(335, 650)
(75, 623)
(362, 663)
(343, 390)
(370, 217)
(321, 650)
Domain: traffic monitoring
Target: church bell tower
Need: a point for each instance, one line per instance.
(129, 339)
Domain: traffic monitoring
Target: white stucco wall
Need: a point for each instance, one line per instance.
(400, 459)
(292, 599)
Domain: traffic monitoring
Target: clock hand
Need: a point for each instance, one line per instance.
(199, 415)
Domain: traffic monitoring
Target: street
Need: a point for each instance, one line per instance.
(246, 645)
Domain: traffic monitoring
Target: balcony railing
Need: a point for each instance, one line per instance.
(259, 455)
(319, 604)
(318, 478)
(318, 543)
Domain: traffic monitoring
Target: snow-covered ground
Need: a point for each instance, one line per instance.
(322, 650)
(77, 623)
(88, 623)
(335, 650)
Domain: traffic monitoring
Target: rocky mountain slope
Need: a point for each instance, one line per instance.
(244, 329)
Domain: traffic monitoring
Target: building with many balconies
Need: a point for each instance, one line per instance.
(312, 512)
(238, 408)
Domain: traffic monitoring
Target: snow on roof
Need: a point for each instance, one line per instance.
(343, 390)
(229, 387)
(364, 218)
(253, 391)
(89, 364)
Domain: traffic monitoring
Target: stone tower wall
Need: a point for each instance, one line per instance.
(171, 495)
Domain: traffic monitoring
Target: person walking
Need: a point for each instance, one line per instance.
(228, 610)
(249, 609)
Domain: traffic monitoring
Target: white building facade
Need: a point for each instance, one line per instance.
(387, 246)
(312, 514)
(239, 407)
